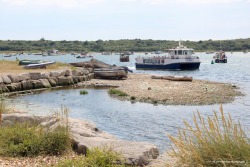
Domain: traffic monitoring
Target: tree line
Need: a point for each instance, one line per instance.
(135, 45)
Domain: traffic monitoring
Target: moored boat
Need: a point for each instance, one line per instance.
(124, 58)
(39, 65)
(26, 62)
(179, 58)
(220, 57)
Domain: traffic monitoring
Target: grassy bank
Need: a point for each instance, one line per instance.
(215, 141)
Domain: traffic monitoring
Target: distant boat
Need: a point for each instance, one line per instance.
(245, 51)
(209, 52)
(40, 65)
(26, 62)
(9, 55)
(179, 58)
(220, 57)
(124, 58)
(80, 57)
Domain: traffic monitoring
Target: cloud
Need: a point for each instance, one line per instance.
(51, 3)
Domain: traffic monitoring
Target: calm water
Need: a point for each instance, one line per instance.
(140, 121)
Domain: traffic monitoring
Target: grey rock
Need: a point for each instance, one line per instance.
(53, 81)
(91, 70)
(24, 76)
(14, 87)
(27, 84)
(45, 83)
(3, 88)
(57, 74)
(14, 78)
(37, 84)
(1, 79)
(35, 75)
(64, 81)
(45, 75)
(90, 76)
(68, 73)
(6, 79)
(75, 79)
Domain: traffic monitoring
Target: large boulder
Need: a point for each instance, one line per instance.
(24, 76)
(45, 75)
(6, 79)
(68, 73)
(14, 87)
(37, 84)
(3, 88)
(35, 75)
(57, 74)
(64, 81)
(45, 83)
(14, 78)
(53, 81)
(27, 84)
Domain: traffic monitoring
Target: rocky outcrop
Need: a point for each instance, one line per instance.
(36, 80)
(86, 135)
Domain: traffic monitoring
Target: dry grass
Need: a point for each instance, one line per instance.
(215, 141)
(12, 67)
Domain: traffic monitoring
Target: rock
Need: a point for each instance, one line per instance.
(24, 76)
(45, 83)
(37, 84)
(68, 73)
(57, 74)
(91, 70)
(26, 85)
(35, 75)
(53, 81)
(6, 79)
(75, 79)
(64, 81)
(3, 88)
(14, 78)
(90, 76)
(1, 79)
(14, 87)
(45, 75)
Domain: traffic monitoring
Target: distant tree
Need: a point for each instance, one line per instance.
(42, 39)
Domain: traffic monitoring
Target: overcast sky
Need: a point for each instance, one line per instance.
(124, 19)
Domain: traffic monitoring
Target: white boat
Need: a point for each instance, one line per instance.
(179, 58)
(39, 65)
(220, 57)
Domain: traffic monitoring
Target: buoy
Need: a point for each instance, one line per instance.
(212, 62)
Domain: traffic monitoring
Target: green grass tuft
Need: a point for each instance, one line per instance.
(83, 92)
(96, 157)
(215, 141)
(117, 92)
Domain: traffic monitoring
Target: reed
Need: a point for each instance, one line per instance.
(215, 141)
(117, 92)
(83, 92)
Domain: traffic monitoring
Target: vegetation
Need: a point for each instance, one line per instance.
(96, 157)
(217, 141)
(117, 92)
(137, 45)
(83, 92)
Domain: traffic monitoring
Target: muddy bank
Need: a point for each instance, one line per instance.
(142, 88)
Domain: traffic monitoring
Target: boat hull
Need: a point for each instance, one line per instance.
(172, 66)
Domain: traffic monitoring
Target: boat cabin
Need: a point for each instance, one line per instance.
(180, 52)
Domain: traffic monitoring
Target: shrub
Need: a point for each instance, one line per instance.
(96, 157)
(83, 92)
(217, 141)
(132, 98)
(117, 92)
(30, 140)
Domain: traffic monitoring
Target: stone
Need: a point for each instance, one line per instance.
(24, 76)
(57, 74)
(53, 81)
(1, 79)
(64, 81)
(90, 76)
(68, 73)
(14, 87)
(6, 79)
(35, 76)
(75, 79)
(91, 70)
(14, 78)
(37, 84)
(3, 88)
(45, 75)
(27, 84)
(45, 83)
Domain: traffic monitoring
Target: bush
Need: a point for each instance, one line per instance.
(96, 157)
(83, 92)
(217, 141)
(31, 140)
(117, 92)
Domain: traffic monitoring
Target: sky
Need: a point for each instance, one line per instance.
(124, 19)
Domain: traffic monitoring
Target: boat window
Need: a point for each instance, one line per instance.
(185, 52)
(190, 52)
(179, 52)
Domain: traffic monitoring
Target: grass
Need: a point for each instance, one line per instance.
(28, 140)
(3, 109)
(215, 141)
(117, 92)
(83, 92)
(96, 157)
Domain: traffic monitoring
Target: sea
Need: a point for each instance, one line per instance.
(142, 121)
